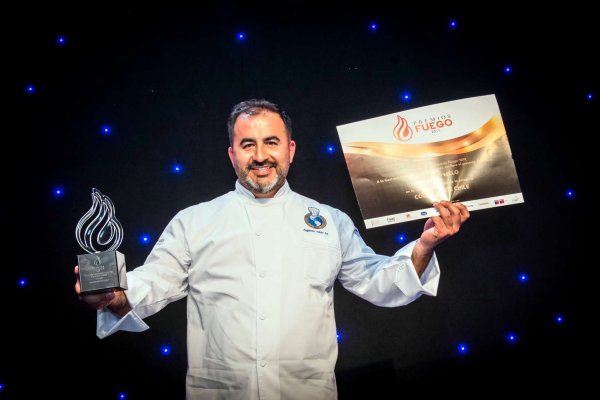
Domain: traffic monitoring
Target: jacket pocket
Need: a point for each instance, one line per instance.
(321, 264)
(213, 384)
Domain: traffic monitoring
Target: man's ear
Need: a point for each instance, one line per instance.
(230, 152)
(292, 150)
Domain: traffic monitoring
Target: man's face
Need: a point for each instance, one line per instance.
(261, 153)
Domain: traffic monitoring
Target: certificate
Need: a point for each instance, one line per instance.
(401, 163)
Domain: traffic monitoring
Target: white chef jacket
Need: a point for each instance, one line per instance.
(258, 274)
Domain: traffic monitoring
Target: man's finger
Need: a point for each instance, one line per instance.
(441, 208)
(464, 211)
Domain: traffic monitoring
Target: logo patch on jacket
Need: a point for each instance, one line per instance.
(314, 220)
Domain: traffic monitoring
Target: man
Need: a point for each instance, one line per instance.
(258, 266)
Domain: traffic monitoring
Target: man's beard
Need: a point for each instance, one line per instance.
(257, 187)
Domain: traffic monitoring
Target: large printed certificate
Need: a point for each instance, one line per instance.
(401, 163)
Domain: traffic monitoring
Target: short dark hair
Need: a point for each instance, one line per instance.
(254, 107)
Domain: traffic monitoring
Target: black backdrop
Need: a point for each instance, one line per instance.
(164, 80)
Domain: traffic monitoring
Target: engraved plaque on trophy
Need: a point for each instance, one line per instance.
(99, 233)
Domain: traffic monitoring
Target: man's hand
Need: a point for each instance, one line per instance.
(436, 230)
(448, 223)
(116, 300)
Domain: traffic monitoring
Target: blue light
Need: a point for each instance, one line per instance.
(452, 24)
(30, 89)
(401, 238)
(22, 282)
(406, 96)
(511, 337)
(122, 395)
(58, 191)
(507, 69)
(145, 238)
(1, 386)
(373, 26)
(569, 193)
(165, 350)
(106, 130)
(240, 36)
(523, 278)
(589, 96)
(559, 319)
(338, 336)
(61, 40)
(177, 168)
(462, 348)
(330, 149)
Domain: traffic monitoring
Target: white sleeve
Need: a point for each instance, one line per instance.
(161, 280)
(383, 280)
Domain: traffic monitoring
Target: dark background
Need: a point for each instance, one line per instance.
(165, 80)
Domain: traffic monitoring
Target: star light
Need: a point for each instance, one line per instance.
(145, 238)
(559, 319)
(58, 191)
(511, 337)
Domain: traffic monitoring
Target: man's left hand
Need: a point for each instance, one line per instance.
(448, 223)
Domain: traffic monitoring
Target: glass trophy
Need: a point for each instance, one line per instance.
(99, 233)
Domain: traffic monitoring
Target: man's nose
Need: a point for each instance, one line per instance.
(260, 154)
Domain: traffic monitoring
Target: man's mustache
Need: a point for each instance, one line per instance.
(256, 164)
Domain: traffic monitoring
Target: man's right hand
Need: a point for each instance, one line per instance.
(115, 300)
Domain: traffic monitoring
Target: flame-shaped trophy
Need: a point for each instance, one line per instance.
(100, 234)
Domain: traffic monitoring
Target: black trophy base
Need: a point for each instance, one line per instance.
(102, 272)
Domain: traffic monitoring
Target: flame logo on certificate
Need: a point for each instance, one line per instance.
(402, 131)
